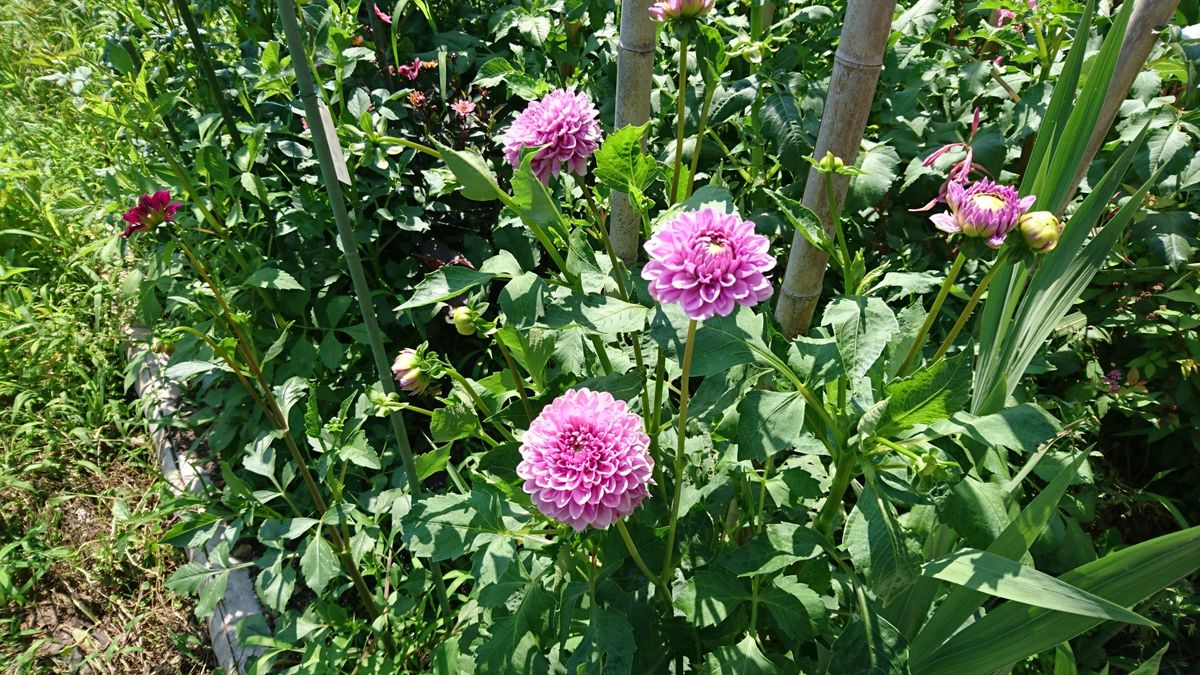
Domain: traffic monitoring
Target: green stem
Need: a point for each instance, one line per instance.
(919, 339)
(668, 569)
(411, 144)
(681, 106)
(966, 313)
(478, 402)
(206, 70)
(337, 203)
(518, 381)
(844, 470)
(641, 564)
(709, 90)
(835, 218)
(898, 448)
(538, 232)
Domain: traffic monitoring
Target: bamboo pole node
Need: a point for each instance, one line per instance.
(626, 48)
(854, 63)
(799, 295)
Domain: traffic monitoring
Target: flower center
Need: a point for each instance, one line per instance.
(989, 202)
(578, 447)
(714, 243)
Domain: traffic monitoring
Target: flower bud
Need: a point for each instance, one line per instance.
(1041, 230)
(673, 10)
(408, 371)
(463, 319)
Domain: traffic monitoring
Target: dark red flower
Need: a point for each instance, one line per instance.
(150, 211)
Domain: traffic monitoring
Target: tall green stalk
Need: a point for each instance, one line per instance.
(668, 569)
(204, 63)
(313, 109)
(681, 106)
(970, 308)
(919, 339)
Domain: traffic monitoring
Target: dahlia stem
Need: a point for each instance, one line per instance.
(709, 91)
(538, 232)
(919, 339)
(668, 569)
(844, 470)
(966, 313)
(641, 564)
(835, 217)
(681, 107)
(518, 380)
(404, 142)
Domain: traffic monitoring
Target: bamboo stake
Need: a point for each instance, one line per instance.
(856, 69)
(635, 72)
(1139, 39)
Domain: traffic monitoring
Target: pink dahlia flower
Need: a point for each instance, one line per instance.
(564, 124)
(463, 107)
(708, 261)
(672, 10)
(984, 210)
(410, 71)
(151, 210)
(585, 460)
(381, 15)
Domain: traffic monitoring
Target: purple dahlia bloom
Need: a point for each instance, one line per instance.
(984, 210)
(670, 10)
(708, 261)
(564, 125)
(408, 371)
(150, 211)
(585, 460)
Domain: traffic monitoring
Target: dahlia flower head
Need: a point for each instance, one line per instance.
(709, 262)
(1040, 230)
(151, 210)
(985, 210)
(674, 10)
(585, 460)
(409, 371)
(564, 125)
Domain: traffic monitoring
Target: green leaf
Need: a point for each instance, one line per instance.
(799, 611)
(607, 647)
(783, 128)
(879, 165)
(781, 545)
(1023, 427)
(473, 174)
(744, 658)
(721, 342)
(927, 396)
(318, 564)
(270, 277)
(804, 221)
(710, 597)
(878, 546)
(432, 462)
(454, 422)
(871, 648)
(514, 645)
(621, 162)
(444, 283)
(597, 313)
(530, 195)
(1003, 578)
(259, 457)
(976, 511)
(768, 422)
(523, 300)
(275, 584)
(1170, 236)
(862, 327)
(358, 451)
(1013, 543)
(448, 526)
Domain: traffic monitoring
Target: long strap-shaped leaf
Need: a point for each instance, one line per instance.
(1014, 631)
(1064, 273)
(1012, 543)
(1003, 578)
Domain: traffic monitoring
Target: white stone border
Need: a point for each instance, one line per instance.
(179, 468)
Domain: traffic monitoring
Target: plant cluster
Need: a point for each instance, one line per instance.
(458, 429)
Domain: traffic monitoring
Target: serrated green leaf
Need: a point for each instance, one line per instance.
(444, 283)
(270, 277)
(880, 549)
(318, 564)
(927, 396)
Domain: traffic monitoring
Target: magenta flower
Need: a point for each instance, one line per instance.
(408, 371)
(585, 460)
(564, 124)
(673, 10)
(463, 107)
(708, 261)
(151, 210)
(960, 172)
(411, 70)
(985, 210)
(1003, 16)
(380, 14)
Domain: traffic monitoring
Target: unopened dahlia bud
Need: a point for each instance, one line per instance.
(673, 10)
(1041, 230)
(463, 319)
(409, 373)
